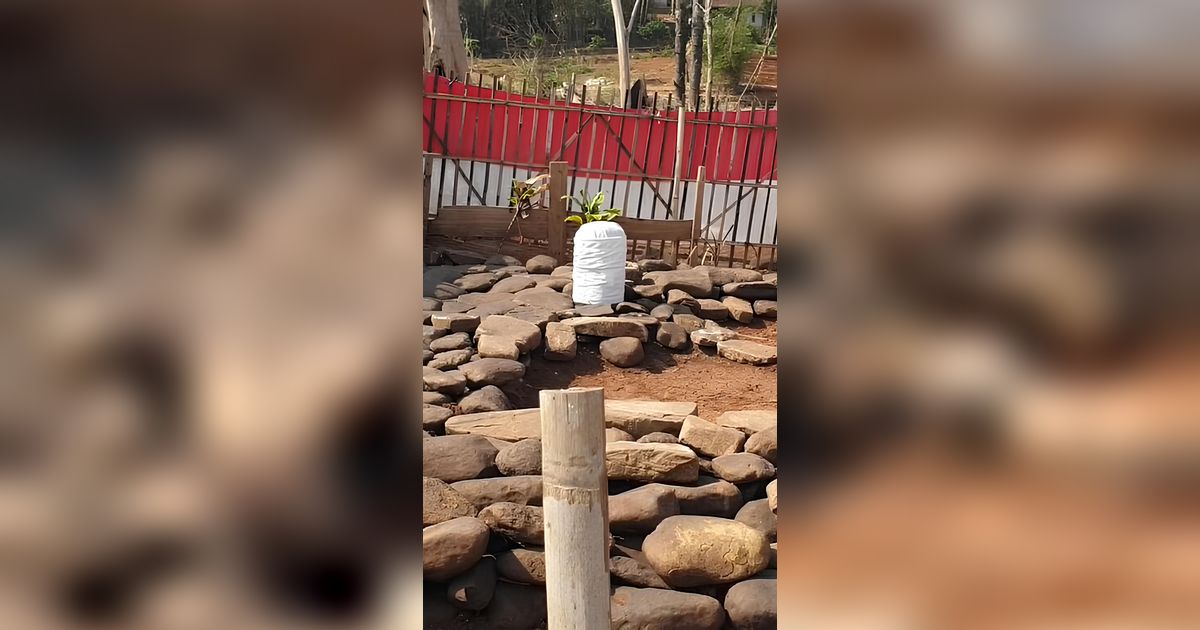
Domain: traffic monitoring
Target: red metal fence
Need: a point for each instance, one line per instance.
(481, 137)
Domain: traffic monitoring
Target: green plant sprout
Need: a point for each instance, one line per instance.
(591, 209)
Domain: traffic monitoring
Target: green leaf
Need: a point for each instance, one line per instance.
(576, 219)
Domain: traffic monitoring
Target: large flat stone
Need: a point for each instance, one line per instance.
(744, 351)
(749, 420)
(653, 462)
(609, 327)
(637, 417)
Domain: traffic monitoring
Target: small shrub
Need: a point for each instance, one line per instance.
(597, 42)
(655, 32)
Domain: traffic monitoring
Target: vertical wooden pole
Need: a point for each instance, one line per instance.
(697, 217)
(575, 507)
(556, 227)
(675, 207)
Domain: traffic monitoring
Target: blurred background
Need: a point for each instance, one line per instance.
(991, 354)
(210, 216)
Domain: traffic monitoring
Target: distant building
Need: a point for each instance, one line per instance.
(752, 11)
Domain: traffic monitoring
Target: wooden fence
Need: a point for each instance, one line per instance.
(478, 138)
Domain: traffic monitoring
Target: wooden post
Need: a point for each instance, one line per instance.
(698, 217)
(575, 508)
(556, 220)
(678, 167)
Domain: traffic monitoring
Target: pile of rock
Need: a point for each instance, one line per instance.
(503, 309)
(692, 510)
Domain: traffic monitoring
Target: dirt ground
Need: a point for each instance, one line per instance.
(697, 375)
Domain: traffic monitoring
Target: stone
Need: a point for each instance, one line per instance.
(622, 351)
(640, 510)
(758, 514)
(689, 323)
(455, 306)
(426, 316)
(545, 298)
(748, 420)
(753, 490)
(659, 438)
(525, 335)
(641, 417)
(456, 457)
(535, 315)
(609, 327)
(515, 607)
(648, 291)
(644, 608)
(523, 566)
(710, 336)
(476, 281)
(742, 468)
(433, 417)
(744, 351)
(739, 309)
(714, 497)
(564, 271)
(489, 371)
(454, 322)
(426, 355)
(479, 299)
(513, 425)
(694, 282)
(710, 438)
(634, 573)
(429, 333)
(441, 503)
(435, 398)
(452, 382)
(522, 458)
(493, 347)
(751, 290)
(519, 523)
(766, 308)
(500, 260)
(630, 307)
(677, 297)
(771, 276)
(456, 341)
(518, 489)
(753, 605)
(561, 343)
(444, 291)
(554, 282)
(616, 435)
(487, 398)
(636, 417)
(773, 495)
(541, 264)
(663, 312)
(512, 284)
(632, 272)
(452, 547)
(473, 590)
(722, 276)
(495, 307)
(641, 318)
(665, 463)
(430, 304)
(654, 264)
(765, 444)
(450, 359)
(691, 551)
(594, 310)
(712, 310)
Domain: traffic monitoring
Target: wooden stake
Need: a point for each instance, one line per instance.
(575, 508)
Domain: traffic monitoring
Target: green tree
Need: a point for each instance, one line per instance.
(733, 45)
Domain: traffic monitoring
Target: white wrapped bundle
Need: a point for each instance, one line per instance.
(599, 264)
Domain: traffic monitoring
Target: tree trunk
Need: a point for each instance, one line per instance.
(698, 19)
(447, 53)
(680, 50)
(622, 50)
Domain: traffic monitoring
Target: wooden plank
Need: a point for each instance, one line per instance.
(486, 222)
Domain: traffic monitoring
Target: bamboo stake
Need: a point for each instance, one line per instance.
(575, 508)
